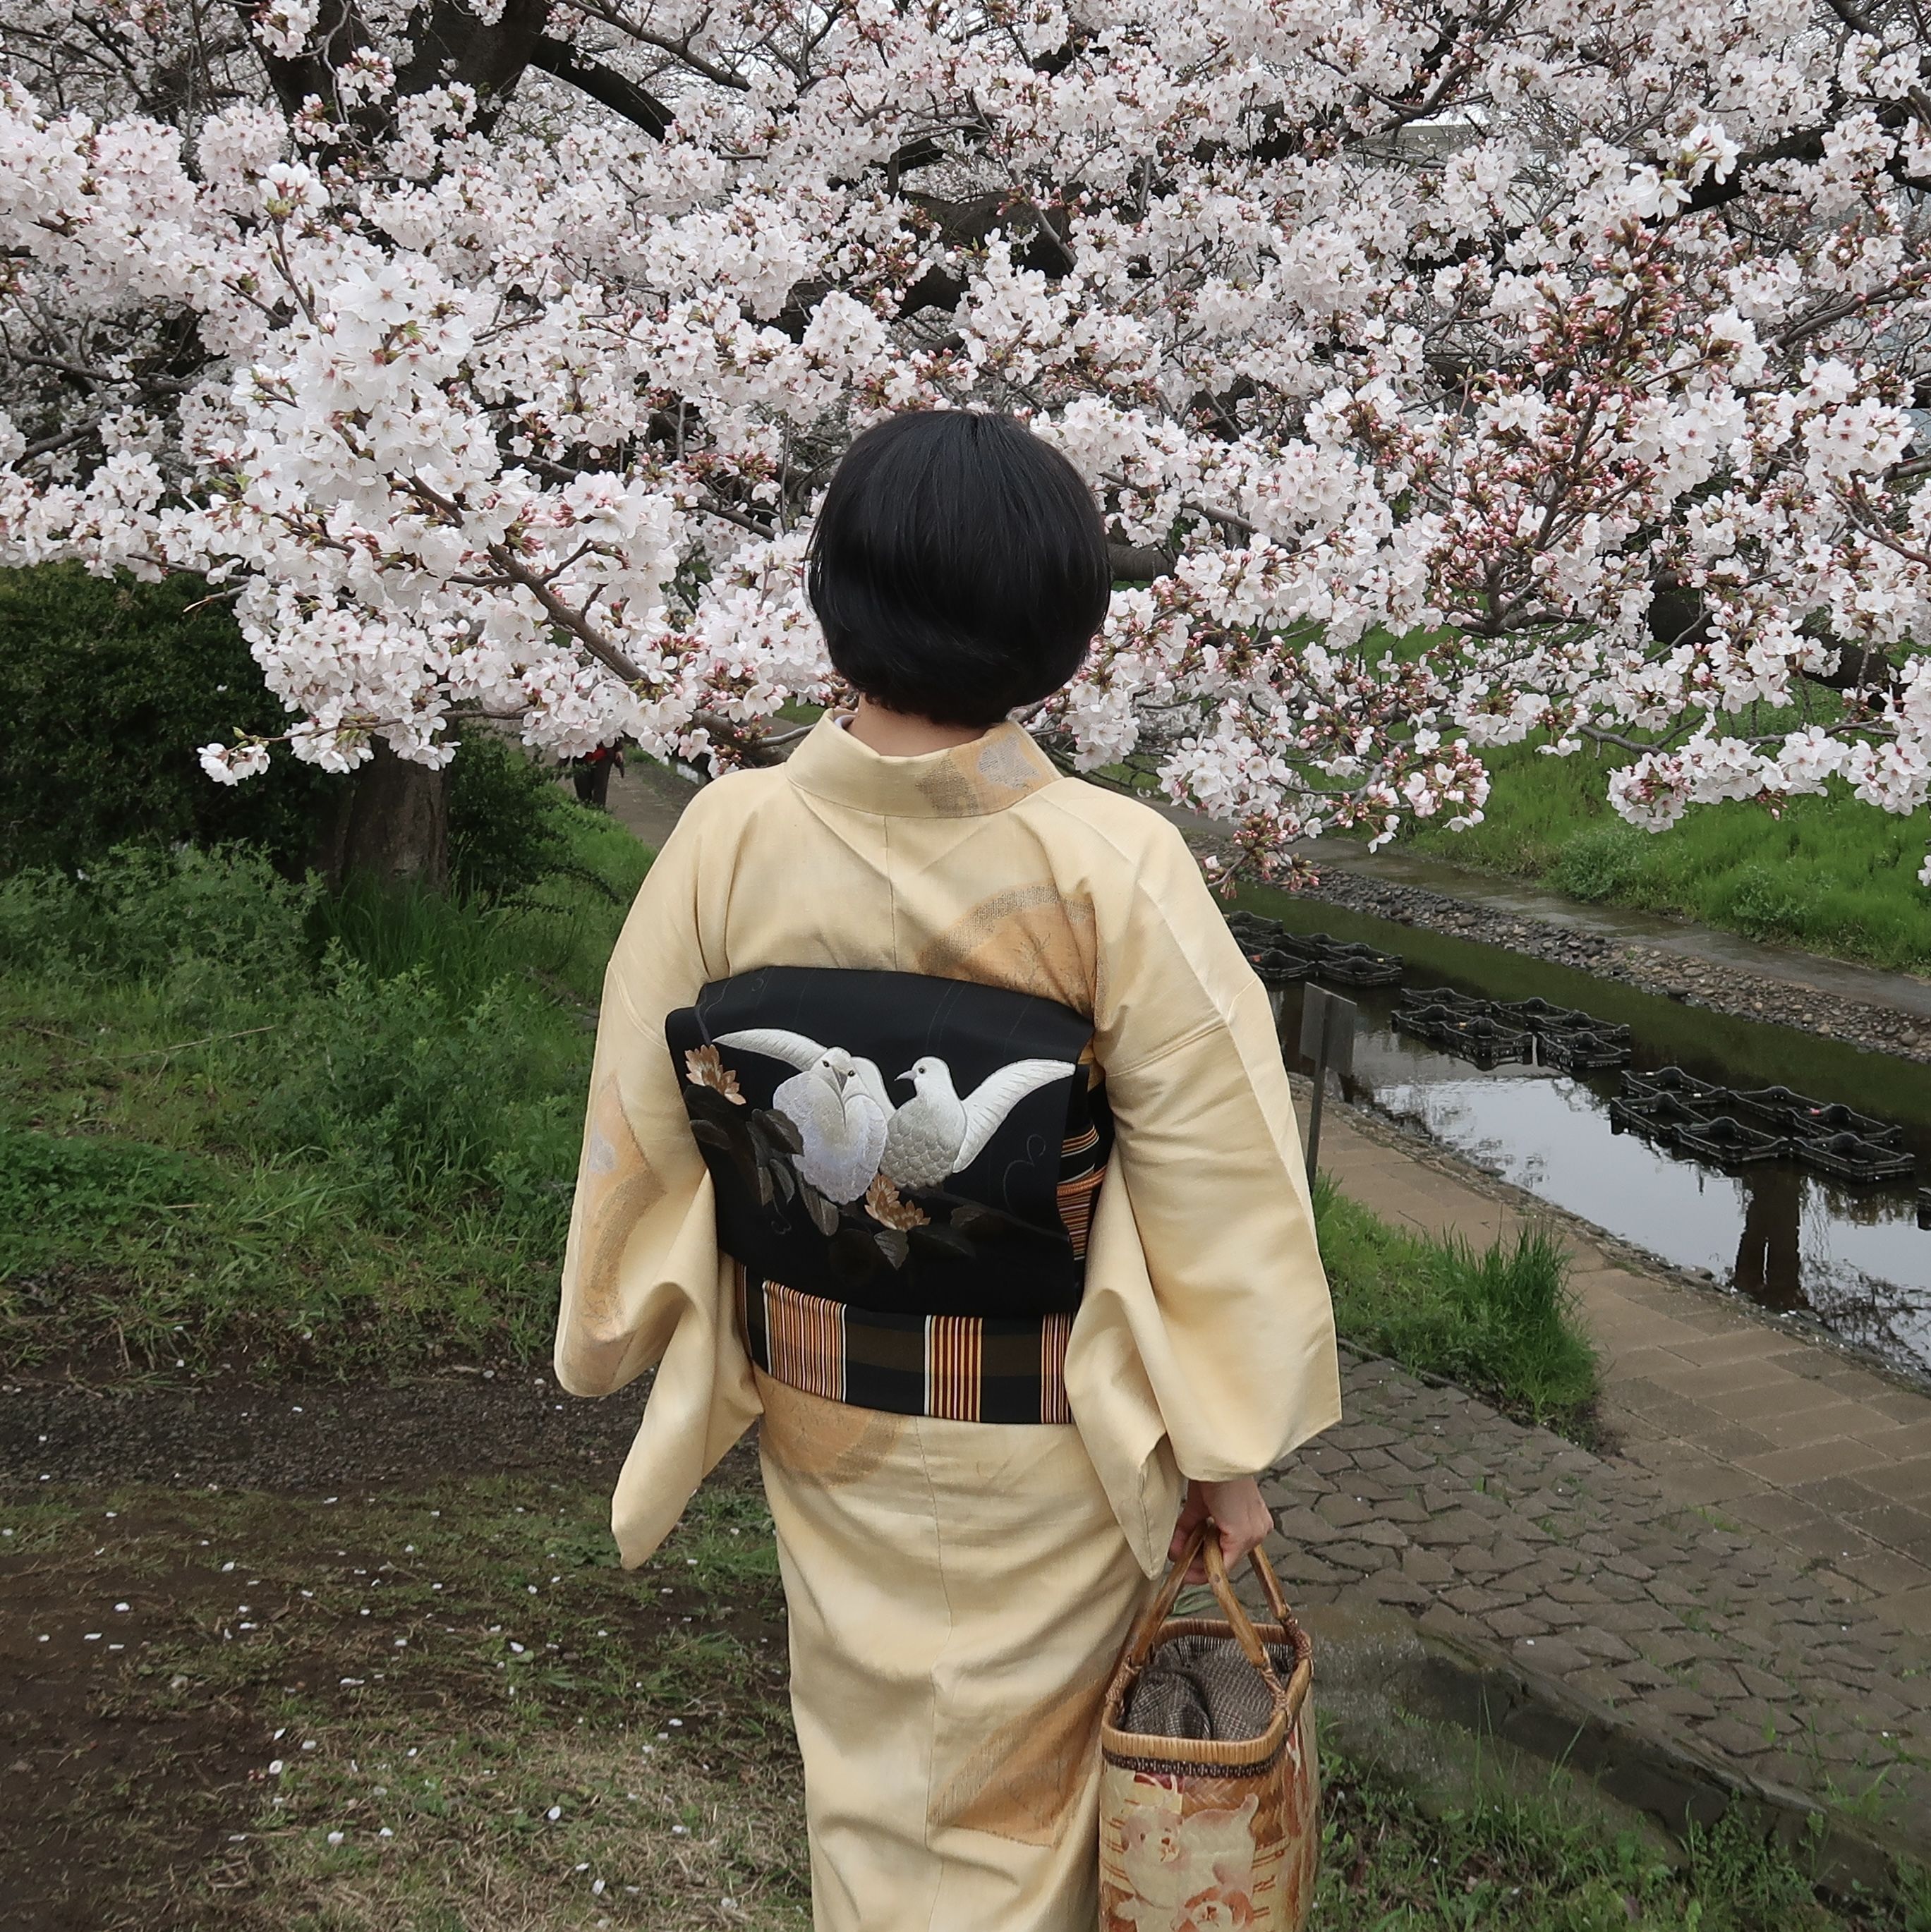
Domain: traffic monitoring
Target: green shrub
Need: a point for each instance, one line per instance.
(463, 946)
(1767, 904)
(426, 1102)
(244, 1116)
(507, 819)
(558, 932)
(1607, 861)
(108, 688)
(140, 914)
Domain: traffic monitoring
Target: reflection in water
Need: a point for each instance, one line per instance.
(1785, 1236)
(1767, 1267)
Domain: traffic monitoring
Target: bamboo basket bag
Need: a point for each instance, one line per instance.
(1209, 1792)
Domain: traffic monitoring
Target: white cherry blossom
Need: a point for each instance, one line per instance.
(495, 359)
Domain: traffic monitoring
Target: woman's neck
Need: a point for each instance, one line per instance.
(897, 734)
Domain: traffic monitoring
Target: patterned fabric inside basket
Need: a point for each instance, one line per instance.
(1203, 1687)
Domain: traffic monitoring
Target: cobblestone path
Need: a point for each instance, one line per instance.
(1582, 1568)
(1808, 1449)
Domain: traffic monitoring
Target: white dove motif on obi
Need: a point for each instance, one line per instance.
(850, 1130)
(935, 1133)
(836, 1100)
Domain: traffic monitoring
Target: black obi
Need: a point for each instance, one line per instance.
(912, 1146)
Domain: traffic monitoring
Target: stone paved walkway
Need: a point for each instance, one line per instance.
(1583, 1569)
(1750, 1570)
(1726, 1408)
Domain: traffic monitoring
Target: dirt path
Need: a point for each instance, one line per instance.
(363, 1685)
(393, 1682)
(115, 1495)
(297, 1436)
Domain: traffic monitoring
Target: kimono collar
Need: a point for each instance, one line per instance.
(985, 775)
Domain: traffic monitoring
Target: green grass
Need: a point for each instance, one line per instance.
(1831, 875)
(1499, 1320)
(445, 1710)
(240, 1118)
(1542, 1863)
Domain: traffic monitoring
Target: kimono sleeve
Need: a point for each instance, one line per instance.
(1239, 1346)
(642, 1256)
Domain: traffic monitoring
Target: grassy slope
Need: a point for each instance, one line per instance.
(1499, 1320)
(1830, 875)
(235, 1119)
(446, 1711)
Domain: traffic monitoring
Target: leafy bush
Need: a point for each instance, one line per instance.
(425, 1102)
(107, 687)
(1607, 861)
(464, 944)
(244, 1115)
(140, 914)
(1766, 903)
(506, 820)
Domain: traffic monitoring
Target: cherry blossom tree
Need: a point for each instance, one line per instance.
(1449, 372)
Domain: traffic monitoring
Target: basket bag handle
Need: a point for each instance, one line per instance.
(1204, 1541)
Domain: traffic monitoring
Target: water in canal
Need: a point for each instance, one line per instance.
(1786, 1236)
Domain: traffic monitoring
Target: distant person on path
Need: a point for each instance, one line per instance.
(590, 774)
(939, 1125)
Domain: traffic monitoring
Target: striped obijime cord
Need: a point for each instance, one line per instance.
(959, 1368)
(1083, 1166)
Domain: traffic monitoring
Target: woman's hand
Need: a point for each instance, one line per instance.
(1236, 1511)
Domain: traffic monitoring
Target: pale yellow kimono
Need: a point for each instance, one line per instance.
(1203, 1346)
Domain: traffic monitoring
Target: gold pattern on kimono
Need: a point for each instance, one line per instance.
(1027, 937)
(1014, 1786)
(986, 776)
(617, 1185)
(828, 1443)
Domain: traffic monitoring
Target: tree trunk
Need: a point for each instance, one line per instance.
(392, 823)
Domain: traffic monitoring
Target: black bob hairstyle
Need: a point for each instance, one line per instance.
(959, 566)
